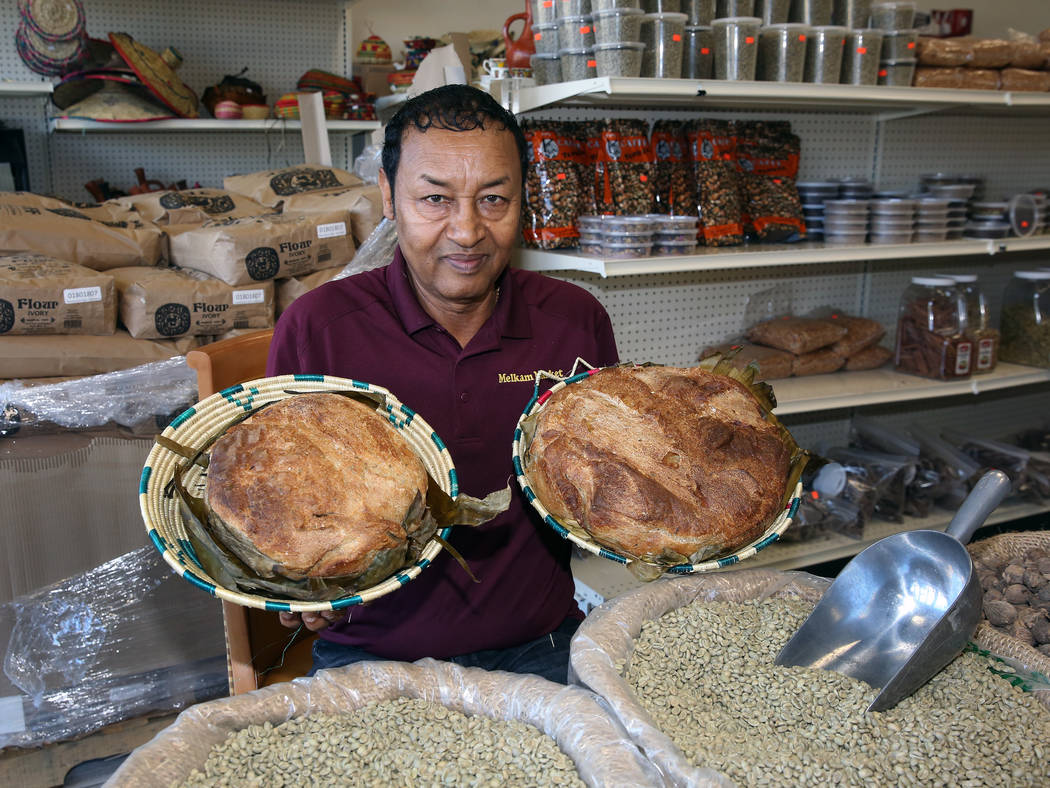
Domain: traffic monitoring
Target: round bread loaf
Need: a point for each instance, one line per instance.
(317, 485)
(660, 463)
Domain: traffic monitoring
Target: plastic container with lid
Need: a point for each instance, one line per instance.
(663, 36)
(931, 330)
(896, 73)
(577, 64)
(630, 224)
(626, 251)
(952, 191)
(899, 44)
(698, 53)
(700, 12)
(1024, 323)
(903, 236)
(824, 54)
(545, 38)
(772, 12)
(543, 11)
(979, 324)
(571, 8)
(860, 57)
(575, 32)
(990, 229)
(892, 206)
(602, 5)
(811, 12)
(782, 52)
(1024, 215)
(988, 211)
(617, 24)
(662, 248)
(661, 6)
(895, 15)
(835, 237)
(726, 8)
(851, 13)
(846, 207)
(619, 60)
(546, 68)
(736, 47)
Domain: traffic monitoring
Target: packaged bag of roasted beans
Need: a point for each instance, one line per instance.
(673, 180)
(768, 157)
(554, 185)
(621, 165)
(719, 195)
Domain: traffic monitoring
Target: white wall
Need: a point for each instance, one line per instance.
(992, 18)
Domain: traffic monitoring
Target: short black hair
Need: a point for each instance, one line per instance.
(453, 108)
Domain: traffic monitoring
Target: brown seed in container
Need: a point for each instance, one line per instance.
(1000, 614)
(1017, 594)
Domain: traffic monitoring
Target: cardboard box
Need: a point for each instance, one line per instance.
(373, 77)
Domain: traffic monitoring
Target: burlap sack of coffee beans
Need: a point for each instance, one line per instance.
(64, 232)
(260, 248)
(271, 187)
(42, 295)
(164, 303)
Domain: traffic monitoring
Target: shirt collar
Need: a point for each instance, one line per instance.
(510, 319)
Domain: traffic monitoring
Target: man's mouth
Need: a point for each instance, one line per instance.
(466, 263)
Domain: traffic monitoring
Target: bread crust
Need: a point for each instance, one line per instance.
(320, 485)
(660, 462)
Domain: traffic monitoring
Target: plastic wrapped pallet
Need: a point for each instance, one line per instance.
(122, 640)
(583, 729)
(607, 638)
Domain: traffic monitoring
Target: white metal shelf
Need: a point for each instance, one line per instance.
(18, 89)
(187, 125)
(815, 393)
(779, 95)
(766, 255)
(609, 579)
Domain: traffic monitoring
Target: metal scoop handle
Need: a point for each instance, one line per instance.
(987, 494)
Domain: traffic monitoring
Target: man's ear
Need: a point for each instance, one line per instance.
(387, 193)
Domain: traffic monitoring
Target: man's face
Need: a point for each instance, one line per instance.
(458, 207)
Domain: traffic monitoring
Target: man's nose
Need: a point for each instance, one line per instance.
(465, 226)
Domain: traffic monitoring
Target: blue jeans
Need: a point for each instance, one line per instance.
(547, 656)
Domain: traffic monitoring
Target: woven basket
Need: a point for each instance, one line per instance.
(999, 549)
(772, 533)
(210, 417)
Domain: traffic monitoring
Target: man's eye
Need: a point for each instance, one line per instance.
(434, 199)
(494, 199)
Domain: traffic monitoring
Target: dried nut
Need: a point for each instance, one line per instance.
(1014, 573)
(993, 595)
(1000, 614)
(1017, 594)
(1033, 578)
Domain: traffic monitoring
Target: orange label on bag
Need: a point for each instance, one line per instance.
(549, 233)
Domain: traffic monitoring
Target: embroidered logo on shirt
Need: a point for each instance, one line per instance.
(515, 377)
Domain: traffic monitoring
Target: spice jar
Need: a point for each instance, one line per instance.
(979, 328)
(1024, 324)
(931, 326)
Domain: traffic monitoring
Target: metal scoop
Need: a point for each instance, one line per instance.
(903, 608)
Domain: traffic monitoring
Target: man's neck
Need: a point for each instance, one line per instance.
(461, 320)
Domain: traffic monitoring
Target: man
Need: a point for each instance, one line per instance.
(456, 335)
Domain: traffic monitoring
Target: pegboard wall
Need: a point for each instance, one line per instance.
(276, 40)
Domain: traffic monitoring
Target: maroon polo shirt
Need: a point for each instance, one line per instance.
(370, 327)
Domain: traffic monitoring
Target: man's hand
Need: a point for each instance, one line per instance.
(315, 622)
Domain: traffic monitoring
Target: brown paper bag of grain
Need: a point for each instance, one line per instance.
(109, 211)
(243, 251)
(70, 234)
(290, 289)
(41, 295)
(192, 206)
(364, 203)
(68, 356)
(269, 188)
(163, 303)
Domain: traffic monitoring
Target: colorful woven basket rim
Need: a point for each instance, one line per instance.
(195, 426)
(771, 534)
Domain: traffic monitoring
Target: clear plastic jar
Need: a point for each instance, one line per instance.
(1024, 324)
(698, 57)
(931, 330)
(979, 328)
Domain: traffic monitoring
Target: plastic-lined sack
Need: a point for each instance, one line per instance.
(816, 362)
(260, 248)
(771, 363)
(869, 358)
(673, 181)
(621, 164)
(555, 185)
(796, 335)
(270, 187)
(42, 295)
(943, 52)
(162, 303)
(719, 194)
(582, 728)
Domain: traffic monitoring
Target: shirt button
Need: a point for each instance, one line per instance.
(464, 397)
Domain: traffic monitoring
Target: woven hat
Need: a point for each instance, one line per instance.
(49, 58)
(78, 85)
(117, 101)
(157, 72)
(53, 20)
